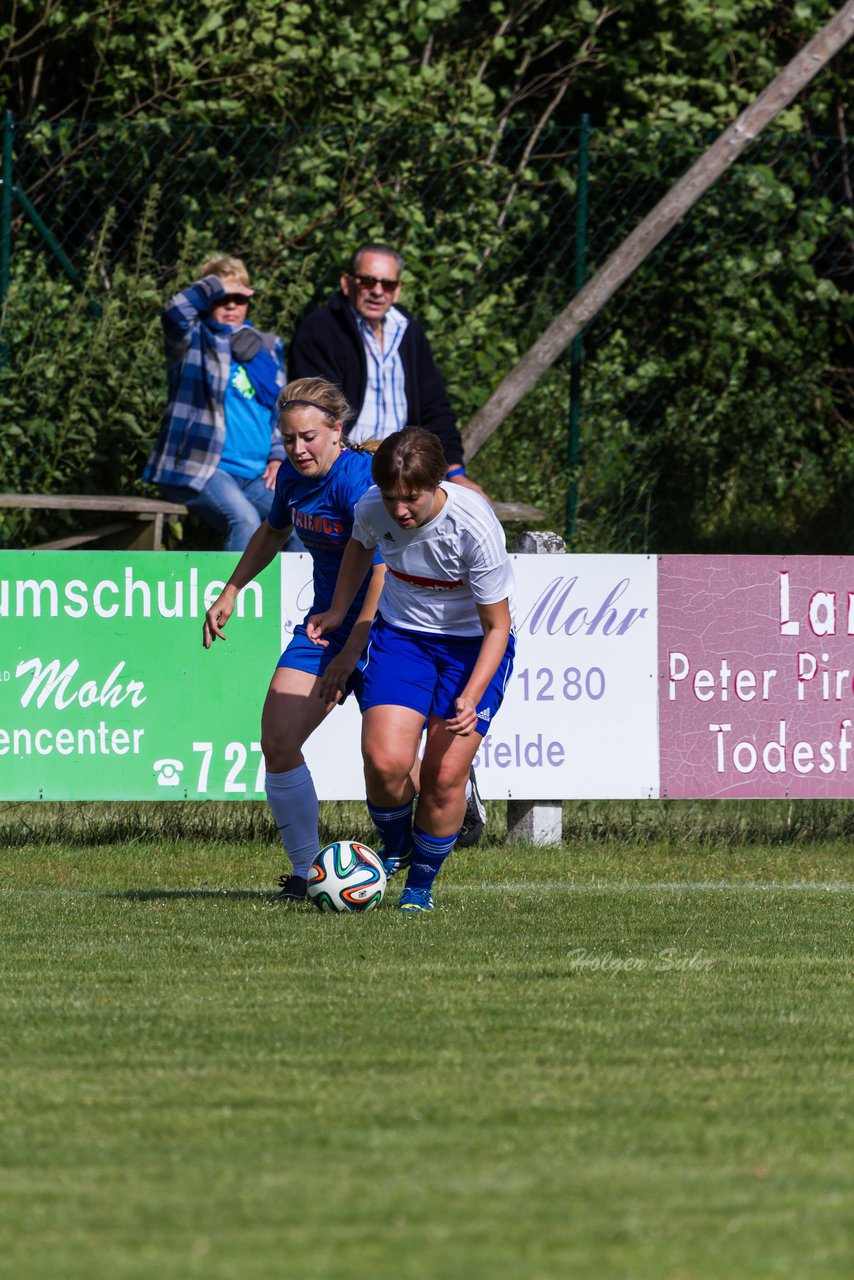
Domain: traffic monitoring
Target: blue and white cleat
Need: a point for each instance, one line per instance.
(415, 901)
(392, 863)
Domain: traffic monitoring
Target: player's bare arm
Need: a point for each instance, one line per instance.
(265, 543)
(335, 677)
(496, 622)
(355, 564)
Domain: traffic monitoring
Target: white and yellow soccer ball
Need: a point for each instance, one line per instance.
(346, 876)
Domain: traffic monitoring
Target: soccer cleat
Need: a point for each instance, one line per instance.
(393, 864)
(414, 901)
(475, 819)
(293, 889)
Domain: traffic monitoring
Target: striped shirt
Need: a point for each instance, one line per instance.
(384, 409)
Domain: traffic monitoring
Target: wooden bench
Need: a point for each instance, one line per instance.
(518, 513)
(138, 526)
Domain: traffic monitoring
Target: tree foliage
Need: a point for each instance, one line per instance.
(636, 62)
(717, 385)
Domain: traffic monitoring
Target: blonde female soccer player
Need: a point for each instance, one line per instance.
(441, 648)
(317, 488)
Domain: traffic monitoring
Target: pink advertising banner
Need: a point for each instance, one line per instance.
(756, 656)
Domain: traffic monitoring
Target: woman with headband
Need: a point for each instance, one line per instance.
(317, 488)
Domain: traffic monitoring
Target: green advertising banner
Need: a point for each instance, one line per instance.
(106, 690)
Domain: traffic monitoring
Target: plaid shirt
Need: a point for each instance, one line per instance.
(198, 358)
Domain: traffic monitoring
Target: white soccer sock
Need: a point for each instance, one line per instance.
(293, 802)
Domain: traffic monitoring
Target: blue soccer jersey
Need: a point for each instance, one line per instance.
(322, 512)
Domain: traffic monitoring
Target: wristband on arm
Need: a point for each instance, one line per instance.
(454, 471)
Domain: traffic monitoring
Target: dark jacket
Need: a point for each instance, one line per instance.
(328, 345)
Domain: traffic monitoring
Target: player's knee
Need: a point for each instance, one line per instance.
(442, 780)
(279, 751)
(383, 763)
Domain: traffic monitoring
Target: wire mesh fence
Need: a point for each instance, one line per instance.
(741, 316)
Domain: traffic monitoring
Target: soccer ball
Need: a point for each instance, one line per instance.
(346, 876)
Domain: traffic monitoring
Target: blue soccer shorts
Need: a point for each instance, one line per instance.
(426, 672)
(302, 655)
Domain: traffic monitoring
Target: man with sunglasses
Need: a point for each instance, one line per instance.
(378, 354)
(219, 446)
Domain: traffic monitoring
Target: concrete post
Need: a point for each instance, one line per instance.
(536, 821)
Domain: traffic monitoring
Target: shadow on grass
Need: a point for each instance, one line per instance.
(173, 895)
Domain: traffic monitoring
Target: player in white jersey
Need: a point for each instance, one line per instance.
(441, 647)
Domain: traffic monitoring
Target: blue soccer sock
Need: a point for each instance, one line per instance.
(293, 802)
(428, 854)
(395, 828)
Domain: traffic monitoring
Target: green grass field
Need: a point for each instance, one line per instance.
(628, 1057)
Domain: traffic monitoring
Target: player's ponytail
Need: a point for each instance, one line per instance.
(364, 446)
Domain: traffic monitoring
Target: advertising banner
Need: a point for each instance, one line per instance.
(107, 693)
(579, 719)
(756, 676)
(688, 676)
(105, 690)
(579, 716)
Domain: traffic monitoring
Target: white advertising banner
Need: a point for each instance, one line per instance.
(580, 719)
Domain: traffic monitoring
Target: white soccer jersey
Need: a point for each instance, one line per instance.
(438, 573)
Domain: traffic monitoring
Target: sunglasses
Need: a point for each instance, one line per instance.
(370, 282)
(239, 300)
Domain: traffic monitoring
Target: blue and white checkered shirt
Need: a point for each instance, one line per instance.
(384, 410)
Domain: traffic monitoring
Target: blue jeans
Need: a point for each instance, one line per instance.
(233, 505)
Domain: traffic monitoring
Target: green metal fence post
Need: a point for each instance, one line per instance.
(54, 246)
(6, 227)
(577, 347)
(7, 192)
